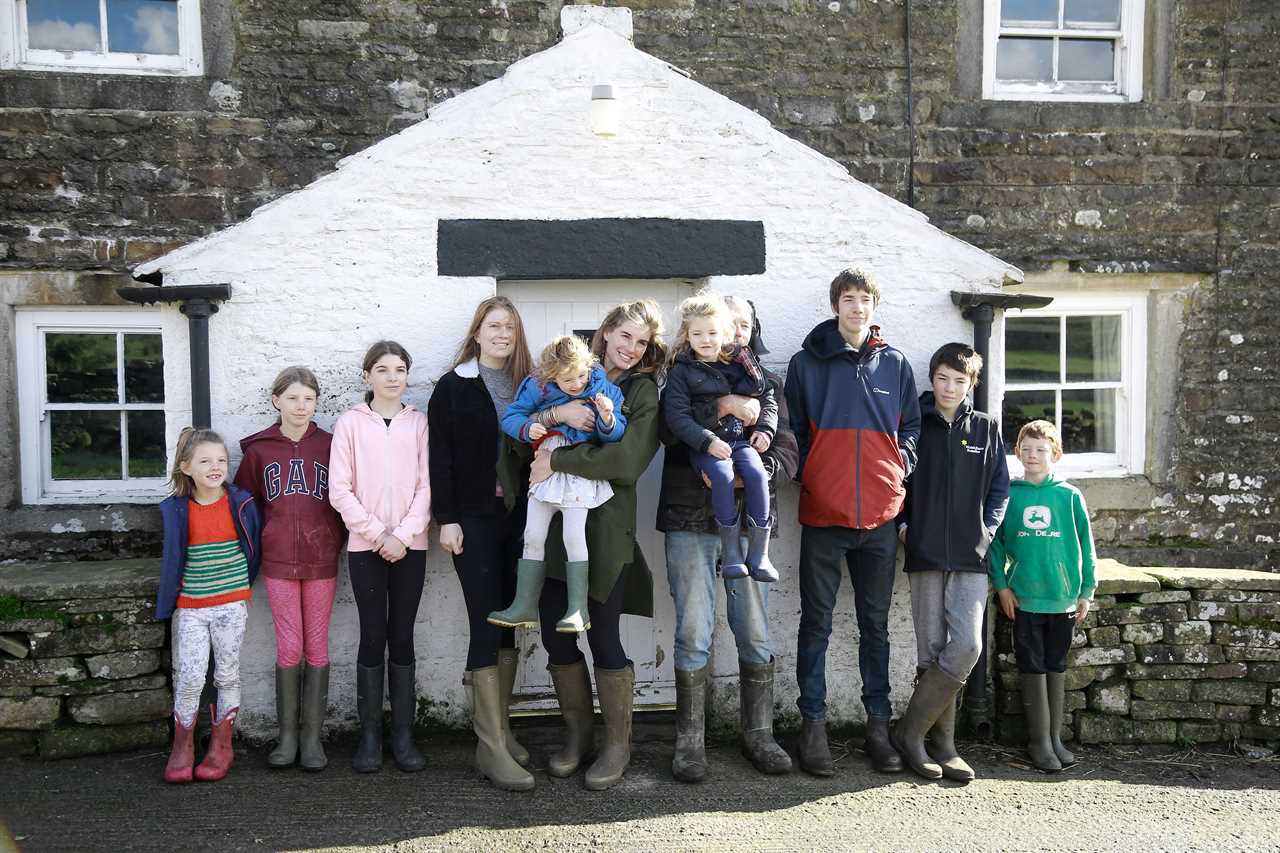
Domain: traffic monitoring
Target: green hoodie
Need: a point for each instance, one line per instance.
(1046, 542)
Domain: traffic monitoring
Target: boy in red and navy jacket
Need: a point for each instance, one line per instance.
(853, 407)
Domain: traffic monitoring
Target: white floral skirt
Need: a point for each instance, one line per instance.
(569, 490)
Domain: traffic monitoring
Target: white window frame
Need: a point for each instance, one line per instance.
(38, 485)
(14, 52)
(1131, 397)
(1128, 72)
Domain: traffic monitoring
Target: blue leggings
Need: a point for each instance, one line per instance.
(746, 463)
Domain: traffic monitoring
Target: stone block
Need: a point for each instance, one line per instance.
(1143, 633)
(1203, 579)
(1101, 656)
(1079, 639)
(16, 743)
(72, 741)
(1116, 578)
(1188, 633)
(345, 30)
(139, 613)
(1079, 677)
(1109, 698)
(95, 686)
(114, 708)
(1235, 596)
(1258, 612)
(1169, 691)
(126, 606)
(14, 645)
(30, 713)
(98, 639)
(1230, 692)
(1074, 700)
(1187, 671)
(32, 672)
(1235, 653)
(1269, 717)
(1155, 731)
(28, 626)
(1212, 611)
(123, 664)
(1164, 596)
(1108, 636)
(1103, 728)
(1275, 696)
(1248, 637)
(1180, 654)
(1234, 713)
(16, 691)
(1144, 709)
(1193, 732)
(51, 581)
(1256, 732)
(1122, 615)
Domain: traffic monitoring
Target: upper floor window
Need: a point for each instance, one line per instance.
(102, 36)
(1081, 364)
(1063, 50)
(91, 405)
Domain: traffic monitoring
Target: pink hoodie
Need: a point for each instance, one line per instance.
(378, 478)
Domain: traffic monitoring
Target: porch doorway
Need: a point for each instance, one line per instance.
(549, 309)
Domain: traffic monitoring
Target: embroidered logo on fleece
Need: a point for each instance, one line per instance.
(1037, 518)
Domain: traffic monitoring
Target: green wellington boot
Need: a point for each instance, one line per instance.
(616, 689)
(573, 691)
(487, 714)
(689, 764)
(1035, 702)
(508, 661)
(577, 618)
(1056, 687)
(286, 751)
(523, 611)
(315, 702)
(934, 691)
(941, 745)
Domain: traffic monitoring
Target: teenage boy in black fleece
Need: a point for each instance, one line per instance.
(956, 498)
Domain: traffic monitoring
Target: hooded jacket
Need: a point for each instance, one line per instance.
(689, 402)
(957, 493)
(173, 512)
(534, 395)
(1043, 550)
(289, 480)
(379, 478)
(856, 420)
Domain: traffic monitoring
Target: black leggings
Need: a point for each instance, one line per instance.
(603, 636)
(387, 596)
(487, 571)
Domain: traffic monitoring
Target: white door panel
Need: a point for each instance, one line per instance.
(549, 309)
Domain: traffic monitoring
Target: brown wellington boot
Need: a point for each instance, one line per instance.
(573, 690)
(492, 759)
(508, 662)
(616, 688)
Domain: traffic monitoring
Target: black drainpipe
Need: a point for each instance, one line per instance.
(911, 119)
(198, 303)
(980, 309)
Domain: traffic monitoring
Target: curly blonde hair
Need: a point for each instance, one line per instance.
(566, 355)
(697, 307)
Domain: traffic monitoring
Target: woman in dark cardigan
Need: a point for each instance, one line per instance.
(630, 350)
(479, 505)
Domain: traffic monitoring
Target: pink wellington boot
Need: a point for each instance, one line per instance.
(217, 761)
(178, 770)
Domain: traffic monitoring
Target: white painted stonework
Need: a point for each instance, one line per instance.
(318, 275)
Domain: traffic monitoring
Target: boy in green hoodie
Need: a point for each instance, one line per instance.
(1042, 568)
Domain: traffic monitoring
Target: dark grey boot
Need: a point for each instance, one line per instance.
(732, 565)
(815, 753)
(315, 702)
(941, 744)
(573, 692)
(934, 690)
(755, 686)
(758, 563)
(690, 761)
(368, 757)
(884, 758)
(402, 685)
(1056, 687)
(616, 691)
(1035, 703)
(286, 751)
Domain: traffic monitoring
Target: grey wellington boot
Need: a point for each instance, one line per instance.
(523, 611)
(403, 689)
(508, 661)
(1056, 687)
(286, 751)
(755, 688)
(758, 563)
(732, 563)
(690, 761)
(941, 745)
(616, 689)
(1035, 703)
(815, 753)
(576, 616)
(573, 691)
(934, 690)
(487, 713)
(368, 757)
(315, 702)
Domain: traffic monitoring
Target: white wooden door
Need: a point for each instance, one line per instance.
(549, 309)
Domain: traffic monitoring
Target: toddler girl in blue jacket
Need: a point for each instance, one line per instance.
(566, 371)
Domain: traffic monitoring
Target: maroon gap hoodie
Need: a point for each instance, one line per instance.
(301, 532)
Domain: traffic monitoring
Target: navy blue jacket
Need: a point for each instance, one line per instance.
(173, 510)
(957, 494)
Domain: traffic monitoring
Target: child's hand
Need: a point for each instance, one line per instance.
(720, 449)
(603, 405)
(451, 538)
(536, 431)
(1008, 603)
(1082, 609)
(761, 441)
(392, 549)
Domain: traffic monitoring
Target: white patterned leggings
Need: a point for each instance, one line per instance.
(538, 521)
(195, 631)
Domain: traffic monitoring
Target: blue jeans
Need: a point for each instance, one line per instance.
(746, 463)
(870, 556)
(691, 572)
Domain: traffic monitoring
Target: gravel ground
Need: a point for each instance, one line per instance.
(1128, 799)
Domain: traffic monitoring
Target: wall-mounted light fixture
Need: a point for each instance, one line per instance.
(606, 112)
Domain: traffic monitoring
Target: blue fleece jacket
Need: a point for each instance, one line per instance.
(533, 395)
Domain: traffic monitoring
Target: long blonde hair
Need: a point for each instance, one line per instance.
(642, 312)
(519, 363)
(188, 440)
(697, 307)
(566, 355)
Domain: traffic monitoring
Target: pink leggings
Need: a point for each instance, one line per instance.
(301, 611)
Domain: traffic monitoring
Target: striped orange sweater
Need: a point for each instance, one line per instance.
(216, 571)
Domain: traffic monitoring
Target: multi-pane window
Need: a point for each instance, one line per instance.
(1063, 50)
(106, 36)
(1079, 364)
(92, 405)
